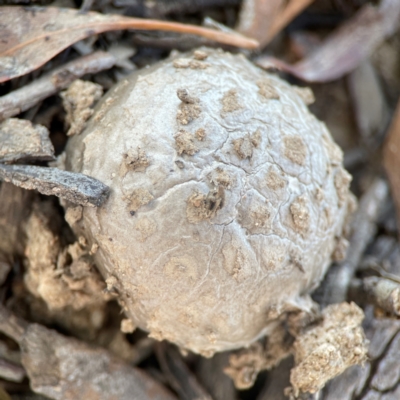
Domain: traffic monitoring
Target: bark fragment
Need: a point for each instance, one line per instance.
(74, 187)
(63, 368)
(22, 141)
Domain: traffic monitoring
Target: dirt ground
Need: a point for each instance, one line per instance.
(63, 332)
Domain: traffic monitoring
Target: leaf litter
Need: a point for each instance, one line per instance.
(46, 31)
(346, 47)
(15, 205)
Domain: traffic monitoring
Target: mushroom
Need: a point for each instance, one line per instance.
(228, 199)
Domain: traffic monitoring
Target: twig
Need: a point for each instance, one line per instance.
(22, 99)
(179, 375)
(392, 161)
(11, 371)
(24, 50)
(381, 292)
(10, 325)
(339, 276)
(86, 5)
(77, 188)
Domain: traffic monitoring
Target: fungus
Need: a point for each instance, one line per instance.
(236, 209)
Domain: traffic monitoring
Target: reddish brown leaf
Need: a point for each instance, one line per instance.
(347, 47)
(263, 19)
(30, 36)
(256, 18)
(290, 12)
(392, 159)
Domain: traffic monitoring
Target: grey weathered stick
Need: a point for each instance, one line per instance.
(178, 374)
(22, 99)
(339, 276)
(74, 187)
(381, 292)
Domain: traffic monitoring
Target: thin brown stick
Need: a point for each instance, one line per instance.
(22, 99)
(24, 50)
(236, 40)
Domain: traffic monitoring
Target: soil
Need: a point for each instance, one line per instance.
(63, 332)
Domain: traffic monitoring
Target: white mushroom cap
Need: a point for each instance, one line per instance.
(227, 199)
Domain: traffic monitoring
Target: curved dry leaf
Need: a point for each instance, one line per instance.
(257, 16)
(288, 14)
(347, 47)
(263, 19)
(30, 36)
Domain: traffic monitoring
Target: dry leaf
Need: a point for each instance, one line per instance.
(33, 35)
(288, 14)
(257, 16)
(392, 160)
(347, 47)
(263, 19)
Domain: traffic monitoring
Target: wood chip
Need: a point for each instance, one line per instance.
(20, 140)
(63, 368)
(74, 187)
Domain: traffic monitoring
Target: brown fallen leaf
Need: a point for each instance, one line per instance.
(263, 19)
(288, 14)
(347, 47)
(44, 32)
(391, 159)
(256, 18)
